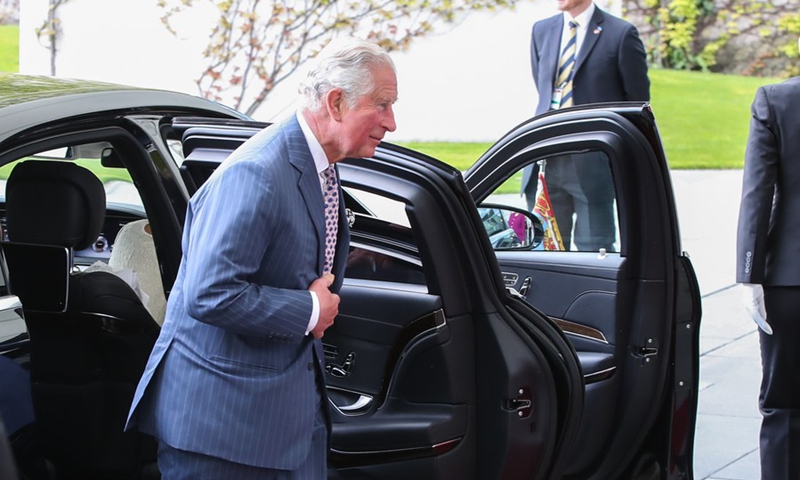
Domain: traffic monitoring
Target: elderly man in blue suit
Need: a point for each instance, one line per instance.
(234, 387)
(584, 55)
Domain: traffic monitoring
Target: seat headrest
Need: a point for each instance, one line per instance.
(54, 203)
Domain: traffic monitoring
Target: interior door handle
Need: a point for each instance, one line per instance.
(362, 402)
(348, 402)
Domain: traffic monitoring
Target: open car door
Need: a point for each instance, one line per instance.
(434, 369)
(631, 309)
(461, 353)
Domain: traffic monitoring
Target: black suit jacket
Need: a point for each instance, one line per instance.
(611, 64)
(768, 237)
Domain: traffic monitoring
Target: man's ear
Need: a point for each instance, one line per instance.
(334, 103)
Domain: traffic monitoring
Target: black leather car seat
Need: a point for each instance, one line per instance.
(88, 355)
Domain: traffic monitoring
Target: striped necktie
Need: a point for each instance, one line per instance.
(330, 194)
(566, 65)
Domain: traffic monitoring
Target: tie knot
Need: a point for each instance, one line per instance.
(573, 24)
(329, 174)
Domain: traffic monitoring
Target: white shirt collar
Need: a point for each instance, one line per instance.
(317, 153)
(583, 18)
(583, 25)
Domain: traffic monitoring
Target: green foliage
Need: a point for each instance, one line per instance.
(256, 44)
(678, 21)
(688, 34)
(790, 25)
(9, 48)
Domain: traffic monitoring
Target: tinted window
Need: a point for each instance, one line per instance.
(574, 196)
(382, 245)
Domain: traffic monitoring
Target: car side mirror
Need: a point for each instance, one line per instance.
(511, 228)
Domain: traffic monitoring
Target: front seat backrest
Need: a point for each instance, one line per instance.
(54, 203)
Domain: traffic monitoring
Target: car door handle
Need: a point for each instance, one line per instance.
(348, 402)
(362, 402)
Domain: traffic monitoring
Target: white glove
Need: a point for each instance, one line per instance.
(753, 299)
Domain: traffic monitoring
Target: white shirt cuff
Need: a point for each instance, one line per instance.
(312, 322)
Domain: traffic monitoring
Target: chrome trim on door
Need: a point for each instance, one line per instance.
(360, 402)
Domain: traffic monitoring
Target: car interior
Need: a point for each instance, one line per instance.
(90, 334)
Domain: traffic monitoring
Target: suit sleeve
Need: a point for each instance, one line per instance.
(534, 57)
(633, 66)
(758, 187)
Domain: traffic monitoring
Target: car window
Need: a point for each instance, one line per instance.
(573, 195)
(123, 202)
(382, 243)
(380, 206)
(117, 181)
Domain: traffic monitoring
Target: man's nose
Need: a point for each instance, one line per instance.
(388, 120)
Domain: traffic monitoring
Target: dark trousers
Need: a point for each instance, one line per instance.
(582, 196)
(779, 400)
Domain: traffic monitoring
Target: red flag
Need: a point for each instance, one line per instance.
(544, 209)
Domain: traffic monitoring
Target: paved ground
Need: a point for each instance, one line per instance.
(726, 443)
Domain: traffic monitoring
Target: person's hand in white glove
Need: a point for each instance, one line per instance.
(753, 299)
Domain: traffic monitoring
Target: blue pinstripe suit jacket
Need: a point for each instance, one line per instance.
(232, 373)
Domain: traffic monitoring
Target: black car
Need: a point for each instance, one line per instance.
(453, 356)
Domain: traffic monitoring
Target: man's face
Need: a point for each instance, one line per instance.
(362, 127)
(573, 7)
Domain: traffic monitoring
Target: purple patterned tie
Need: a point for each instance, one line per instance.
(331, 196)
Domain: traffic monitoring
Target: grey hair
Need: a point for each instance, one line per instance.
(345, 63)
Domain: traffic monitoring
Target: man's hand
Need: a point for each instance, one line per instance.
(328, 304)
(753, 300)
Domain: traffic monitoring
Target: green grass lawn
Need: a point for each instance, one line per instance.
(703, 119)
(9, 48)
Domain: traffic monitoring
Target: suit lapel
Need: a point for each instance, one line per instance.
(592, 35)
(553, 33)
(308, 182)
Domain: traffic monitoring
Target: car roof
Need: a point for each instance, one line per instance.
(28, 100)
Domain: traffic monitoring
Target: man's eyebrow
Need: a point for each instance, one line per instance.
(386, 99)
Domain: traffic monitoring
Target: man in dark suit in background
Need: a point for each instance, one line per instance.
(768, 266)
(584, 55)
(235, 387)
